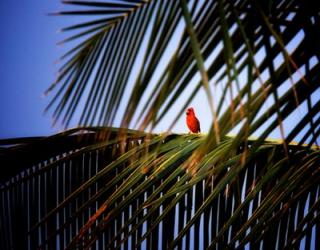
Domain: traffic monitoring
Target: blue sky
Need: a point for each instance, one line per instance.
(27, 53)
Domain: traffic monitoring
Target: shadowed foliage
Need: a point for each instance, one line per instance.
(110, 193)
(129, 64)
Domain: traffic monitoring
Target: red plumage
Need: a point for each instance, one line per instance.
(192, 121)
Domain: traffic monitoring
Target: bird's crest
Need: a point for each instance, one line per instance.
(190, 111)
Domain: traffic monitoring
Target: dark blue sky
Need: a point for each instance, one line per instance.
(27, 55)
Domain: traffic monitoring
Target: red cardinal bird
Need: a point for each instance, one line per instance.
(192, 121)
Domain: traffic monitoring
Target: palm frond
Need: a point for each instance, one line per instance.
(94, 192)
(140, 60)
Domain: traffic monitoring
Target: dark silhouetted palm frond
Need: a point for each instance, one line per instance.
(149, 192)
